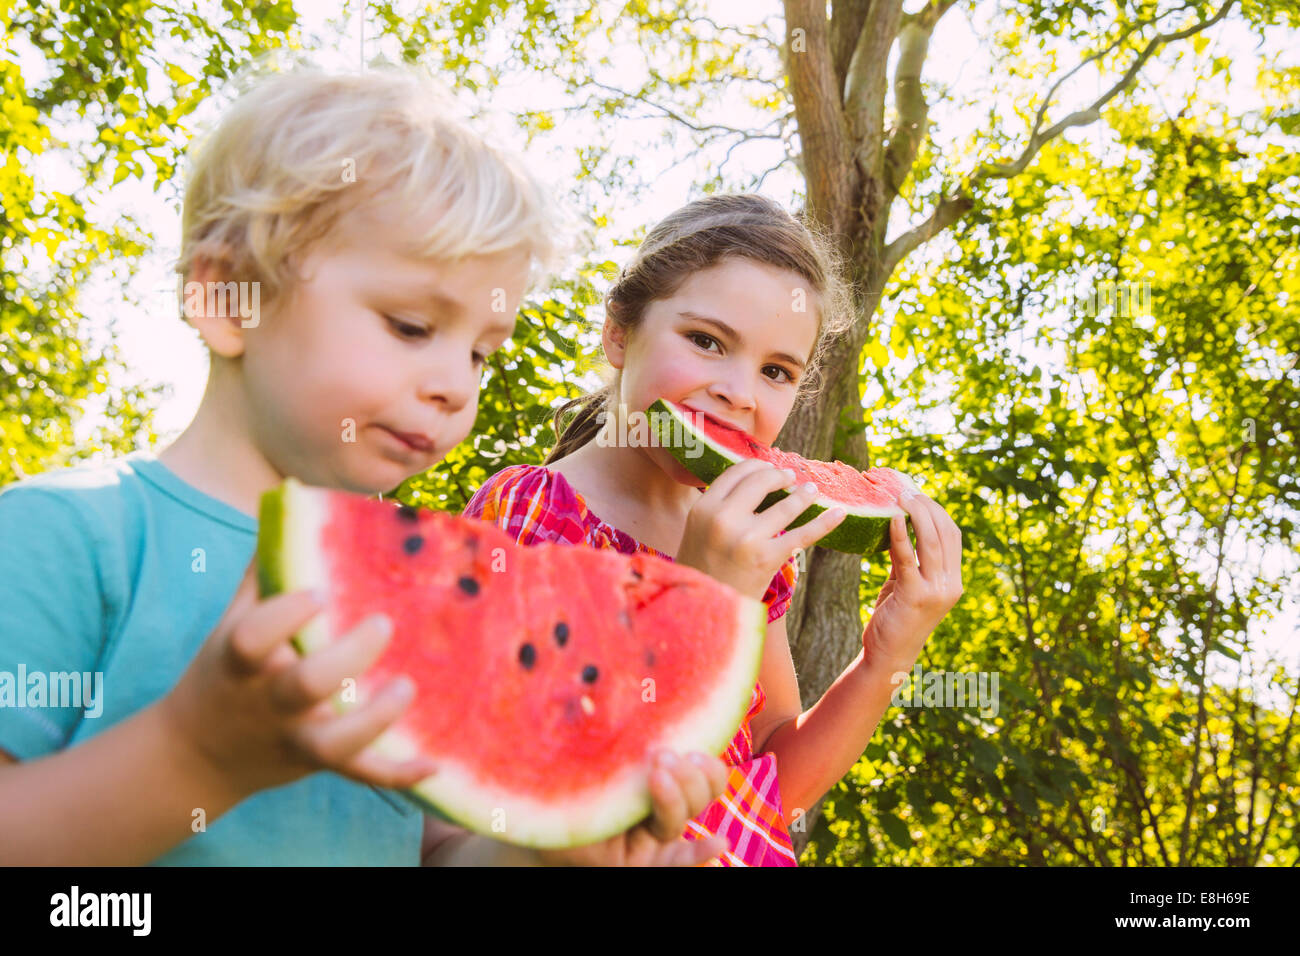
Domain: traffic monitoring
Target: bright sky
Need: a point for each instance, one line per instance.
(160, 348)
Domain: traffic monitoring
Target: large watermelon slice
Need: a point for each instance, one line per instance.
(546, 675)
(708, 447)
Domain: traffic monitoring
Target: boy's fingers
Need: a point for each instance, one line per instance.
(372, 767)
(338, 740)
(717, 773)
(693, 780)
(693, 852)
(264, 627)
(321, 673)
(670, 816)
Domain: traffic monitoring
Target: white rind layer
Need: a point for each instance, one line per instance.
(302, 560)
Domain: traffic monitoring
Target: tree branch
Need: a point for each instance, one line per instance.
(1092, 112)
(823, 132)
(1282, 764)
(909, 98)
(672, 22)
(847, 18)
(948, 210)
(1207, 640)
(866, 83)
(677, 117)
(951, 208)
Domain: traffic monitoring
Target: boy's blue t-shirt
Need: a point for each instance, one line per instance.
(122, 570)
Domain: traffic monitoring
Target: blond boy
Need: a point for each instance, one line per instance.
(351, 253)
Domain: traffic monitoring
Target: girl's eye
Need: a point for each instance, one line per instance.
(479, 359)
(406, 330)
(788, 376)
(696, 337)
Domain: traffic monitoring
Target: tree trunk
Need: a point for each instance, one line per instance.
(824, 622)
(854, 168)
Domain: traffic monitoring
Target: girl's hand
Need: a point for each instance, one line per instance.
(914, 599)
(680, 789)
(727, 540)
(260, 714)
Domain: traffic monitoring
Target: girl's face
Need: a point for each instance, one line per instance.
(732, 342)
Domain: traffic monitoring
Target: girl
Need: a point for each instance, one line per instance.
(726, 308)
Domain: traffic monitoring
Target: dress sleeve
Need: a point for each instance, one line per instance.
(781, 591)
(529, 504)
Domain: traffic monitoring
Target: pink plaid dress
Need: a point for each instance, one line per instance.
(533, 504)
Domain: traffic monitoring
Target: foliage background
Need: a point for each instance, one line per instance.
(1123, 477)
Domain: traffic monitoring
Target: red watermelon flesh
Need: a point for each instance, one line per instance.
(546, 675)
(707, 447)
(835, 479)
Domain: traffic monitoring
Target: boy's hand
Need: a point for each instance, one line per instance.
(915, 598)
(727, 540)
(680, 789)
(260, 714)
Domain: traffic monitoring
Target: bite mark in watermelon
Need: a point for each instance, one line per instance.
(546, 675)
(869, 498)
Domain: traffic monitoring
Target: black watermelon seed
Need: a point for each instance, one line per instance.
(407, 513)
(561, 633)
(528, 656)
(413, 544)
(589, 674)
(636, 574)
(649, 658)
(468, 585)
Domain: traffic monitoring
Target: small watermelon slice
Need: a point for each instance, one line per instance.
(546, 675)
(707, 447)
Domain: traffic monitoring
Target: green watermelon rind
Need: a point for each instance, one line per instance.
(288, 560)
(281, 523)
(864, 530)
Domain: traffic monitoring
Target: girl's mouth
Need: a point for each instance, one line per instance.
(714, 419)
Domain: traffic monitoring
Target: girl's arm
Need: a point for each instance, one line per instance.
(817, 747)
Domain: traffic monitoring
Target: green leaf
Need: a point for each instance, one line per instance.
(1227, 651)
(179, 76)
(984, 754)
(1024, 798)
(896, 830)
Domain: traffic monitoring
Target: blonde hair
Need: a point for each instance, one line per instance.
(299, 149)
(700, 235)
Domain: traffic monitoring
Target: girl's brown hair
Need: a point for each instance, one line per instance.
(698, 236)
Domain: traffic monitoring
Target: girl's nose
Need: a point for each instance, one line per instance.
(735, 390)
